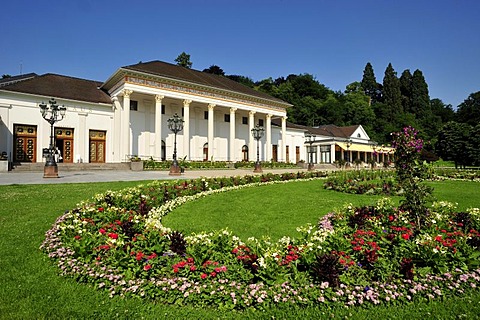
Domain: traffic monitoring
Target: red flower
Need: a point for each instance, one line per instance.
(139, 256)
(77, 237)
(193, 268)
(203, 276)
(391, 218)
(100, 209)
(113, 235)
(102, 231)
(213, 274)
(147, 267)
(175, 270)
(406, 236)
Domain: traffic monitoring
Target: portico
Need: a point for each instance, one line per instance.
(217, 120)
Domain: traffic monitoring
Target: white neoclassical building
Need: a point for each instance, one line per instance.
(127, 115)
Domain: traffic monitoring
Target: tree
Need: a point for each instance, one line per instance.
(392, 96)
(420, 97)
(442, 110)
(406, 90)
(369, 83)
(5, 76)
(183, 60)
(246, 81)
(453, 143)
(474, 147)
(469, 110)
(214, 69)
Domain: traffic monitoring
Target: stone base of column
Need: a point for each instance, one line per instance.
(311, 167)
(50, 171)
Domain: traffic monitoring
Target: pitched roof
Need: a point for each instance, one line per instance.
(58, 86)
(328, 130)
(168, 70)
(10, 80)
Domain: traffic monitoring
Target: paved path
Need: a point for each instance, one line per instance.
(8, 178)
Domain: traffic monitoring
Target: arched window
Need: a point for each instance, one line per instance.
(245, 153)
(205, 152)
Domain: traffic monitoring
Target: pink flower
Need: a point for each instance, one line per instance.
(102, 231)
(203, 276)
(147, 267)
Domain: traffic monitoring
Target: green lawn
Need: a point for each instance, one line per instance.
(31, 289)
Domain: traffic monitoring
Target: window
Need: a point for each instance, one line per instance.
(325, 154)
(163, 109)
(205, 115)
(133, 105)
(245, 153)
(359, 136)
(244, 120)
(260, 122)
(226, 117)
(183, 112)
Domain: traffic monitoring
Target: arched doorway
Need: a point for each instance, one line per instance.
(205, 152)
(163, 155)
(245, 153)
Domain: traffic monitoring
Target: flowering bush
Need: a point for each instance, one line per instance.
(352, 257)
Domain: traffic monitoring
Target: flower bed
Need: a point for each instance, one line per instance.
(363, 182)
(356, 256)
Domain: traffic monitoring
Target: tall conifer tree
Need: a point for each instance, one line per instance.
(369, 83)
(420, 96)
(406, 90)
(392, 96)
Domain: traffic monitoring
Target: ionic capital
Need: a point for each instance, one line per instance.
(251, 113)
(159, 98)
(232, 110)
(211, 106)
(186, 102)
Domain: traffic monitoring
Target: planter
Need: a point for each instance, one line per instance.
(3, 166)
(136, 165)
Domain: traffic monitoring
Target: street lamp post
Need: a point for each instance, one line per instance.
(51, 114)
(310, 139)
(257, 133)
(175, 124)
(348, 143)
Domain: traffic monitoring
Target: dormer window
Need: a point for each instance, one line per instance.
(358, 135)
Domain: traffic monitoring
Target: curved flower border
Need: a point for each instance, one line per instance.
(229, 294)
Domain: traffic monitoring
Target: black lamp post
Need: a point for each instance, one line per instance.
(310, 139)
(348, 143)
(51, 114)
(175, 124)
(257, 133)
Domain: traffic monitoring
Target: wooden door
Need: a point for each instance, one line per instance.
(287, 154)
(274, 153)
(297, 154)
(64, 143)
(25, 143)
(97, 146)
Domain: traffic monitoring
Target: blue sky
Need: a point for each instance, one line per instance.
(333, 40)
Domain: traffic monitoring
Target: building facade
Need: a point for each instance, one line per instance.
(127, 115)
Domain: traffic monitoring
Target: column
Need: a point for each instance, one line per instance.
(284, 139)
(126, 125)
(158, 126)
(251, 141)
(232, 134)
(117, 129)
(186, 128)
(268, 138)
(210, 131)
